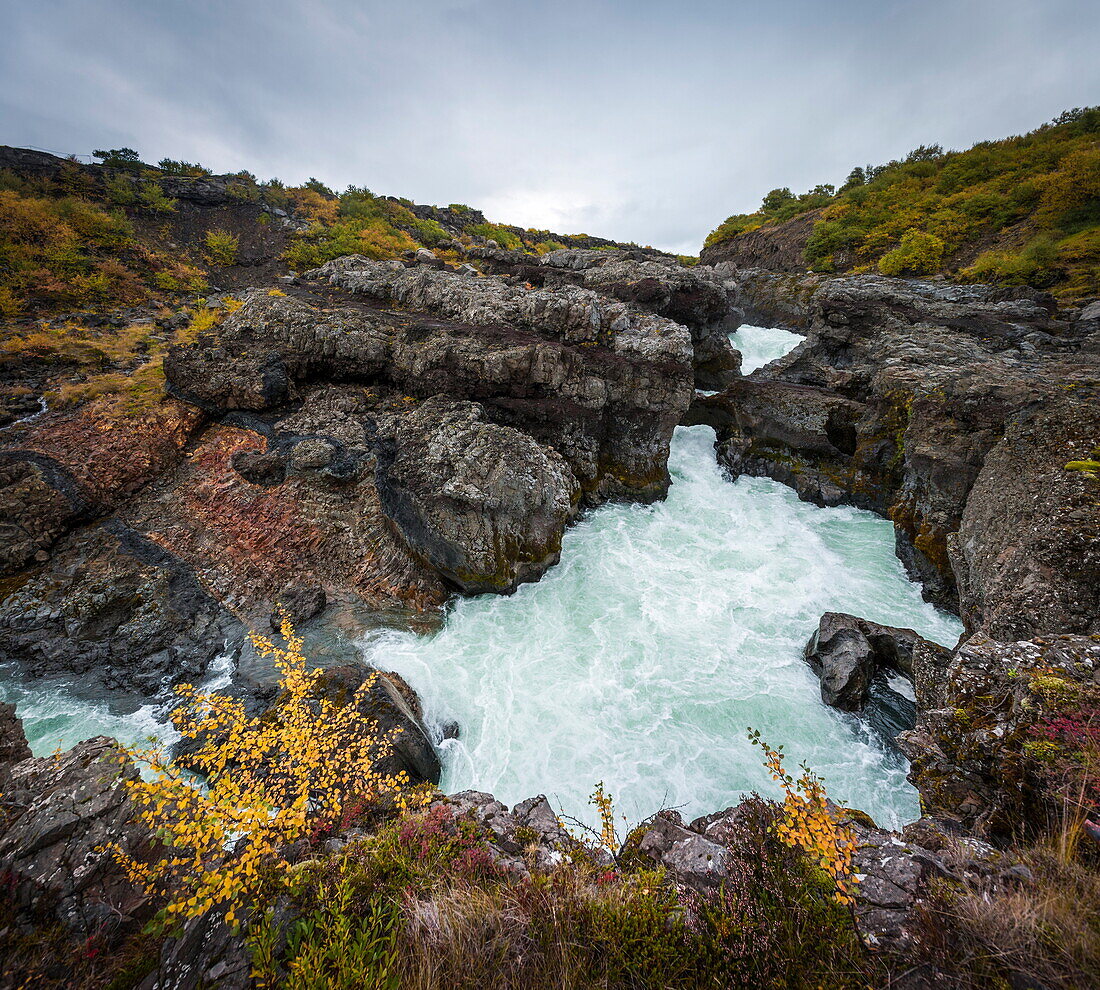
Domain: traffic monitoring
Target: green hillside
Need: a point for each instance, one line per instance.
(1024, 209)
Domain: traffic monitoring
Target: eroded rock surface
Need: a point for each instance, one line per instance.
(951, 409)
(700, 299)
(117, 610)
(484, 505)
(60, 816)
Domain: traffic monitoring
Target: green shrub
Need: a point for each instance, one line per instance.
(120, 190)
(243, 190)
(152, 197)
(173, 167)
(1036, 264)
(918, 254)
(125, 158)
(274, 194)
(221, 247)
(428, 232)
(375, 238)
(494, 232)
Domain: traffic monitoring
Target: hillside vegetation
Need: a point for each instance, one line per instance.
(104, 266)
(126, 233)
(1022, 210)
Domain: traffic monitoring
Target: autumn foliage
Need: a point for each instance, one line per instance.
(812, 823)
(263, 782)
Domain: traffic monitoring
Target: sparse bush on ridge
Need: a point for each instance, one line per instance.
(152, 197)
(494, 232)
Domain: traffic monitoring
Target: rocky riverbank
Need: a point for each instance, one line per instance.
(366, 440)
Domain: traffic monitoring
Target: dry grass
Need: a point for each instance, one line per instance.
(1048, 929)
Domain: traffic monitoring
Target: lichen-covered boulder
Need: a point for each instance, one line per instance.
(994, 733)
(485, 505)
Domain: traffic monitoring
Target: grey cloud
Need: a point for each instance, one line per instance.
(636, 120)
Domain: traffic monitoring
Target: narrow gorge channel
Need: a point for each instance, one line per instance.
(639, 660)
(666, 631)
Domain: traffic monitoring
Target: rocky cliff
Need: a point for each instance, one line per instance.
(953, 410)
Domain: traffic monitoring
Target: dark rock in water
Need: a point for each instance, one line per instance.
(61, 816)
(118, 609)
(394, 705)
(299, 603)
(483, 504)
(391, 702)
(848, 653)
(888, 712)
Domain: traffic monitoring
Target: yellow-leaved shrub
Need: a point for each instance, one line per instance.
(812, 823)
(255, 784)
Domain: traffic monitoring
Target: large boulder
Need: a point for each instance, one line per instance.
(395, 707)
(485, 505)
(848, 653)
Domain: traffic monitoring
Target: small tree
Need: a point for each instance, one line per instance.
(222, 247)
(265, 782)
(812, 823)
(125, 158)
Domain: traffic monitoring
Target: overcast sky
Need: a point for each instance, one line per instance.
(634, 120)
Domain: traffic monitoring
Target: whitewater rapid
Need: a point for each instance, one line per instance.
(666, 631)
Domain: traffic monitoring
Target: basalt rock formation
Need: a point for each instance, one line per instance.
(699, 298)
(58, 819)
(954, 410)
(380, 432)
